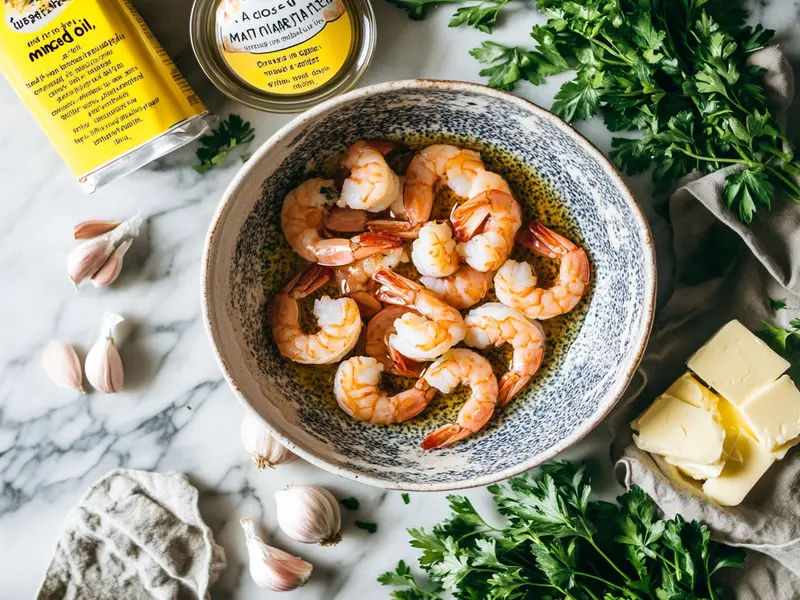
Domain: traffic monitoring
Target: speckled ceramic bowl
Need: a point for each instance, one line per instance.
(586, 372)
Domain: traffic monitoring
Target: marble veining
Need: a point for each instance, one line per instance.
(177, 413)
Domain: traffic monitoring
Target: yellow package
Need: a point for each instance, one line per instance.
(99, 84)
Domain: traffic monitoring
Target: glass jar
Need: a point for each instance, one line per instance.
(283, 55)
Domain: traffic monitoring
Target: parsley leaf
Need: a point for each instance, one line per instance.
(330, 193)
(406, 498)
(482, 17)
(779, 338)
(418, 9)
(576, 100)
(350, 503)
(216, 146)
(746, 189)
(368, 527)
(776, 305)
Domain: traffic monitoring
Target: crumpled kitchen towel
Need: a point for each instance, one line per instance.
(135, 536)
(726, 270)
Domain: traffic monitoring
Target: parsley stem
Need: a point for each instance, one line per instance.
(714, 159)
(789, 183)
(601, 580)
(608, 560)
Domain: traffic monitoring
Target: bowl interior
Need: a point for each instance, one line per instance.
(245, 254)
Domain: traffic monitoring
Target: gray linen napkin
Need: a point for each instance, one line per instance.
(135, 536)
(726, 270)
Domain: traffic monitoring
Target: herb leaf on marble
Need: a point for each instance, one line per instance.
(676, 73)
(559, 543)
(215, 147)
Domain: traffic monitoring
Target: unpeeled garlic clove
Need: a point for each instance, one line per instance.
(309, 514)
(89, 257)
(272, 568)
(103, 363)
(62, 365)
(92, 229)
(109, 272)
(264, 449)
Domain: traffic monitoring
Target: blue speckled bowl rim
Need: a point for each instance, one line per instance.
(288, 131)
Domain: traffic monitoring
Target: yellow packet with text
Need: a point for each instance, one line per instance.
(99, 84)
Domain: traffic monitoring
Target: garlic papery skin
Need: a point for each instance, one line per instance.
(62, 366)
(103, 363)
(272, 568)
(109, 272)
(264, 449)
(309, 514)
(87, 258)
(92, 229)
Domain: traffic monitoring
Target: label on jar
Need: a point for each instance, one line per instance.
(285, 47)
(93, 76)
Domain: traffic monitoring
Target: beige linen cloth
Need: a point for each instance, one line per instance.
(726, 270)
(135, 536)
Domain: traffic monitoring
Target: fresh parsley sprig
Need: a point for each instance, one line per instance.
(558, 543)
(216, 146)
(678, 73)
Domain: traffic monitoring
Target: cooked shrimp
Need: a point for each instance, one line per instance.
(497, 216)
(371, 184)
(434, 251)
(346, 220)
(485, 181)
(436, 164)
(462, 367)
(495, 324)
(357, 276)
(339, 321)
(302, 220)
(516, 283)
(429, 332)
(397, 227)
(463, 289)
(368, 304)
(358, 392)
(378, 331)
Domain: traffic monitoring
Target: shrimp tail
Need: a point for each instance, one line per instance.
(371, 243)
(404, 366)
(468, 217)
(444, 436)
(510, 385)
(544, 241)
(402, 229)
(395, 289)
(346, 220)
(368, 305)
(307, 281)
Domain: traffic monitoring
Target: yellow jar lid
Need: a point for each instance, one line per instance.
(283, 55)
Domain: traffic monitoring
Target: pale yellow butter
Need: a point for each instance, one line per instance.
(688, 389)
(773, 414)
(696, 470)
(736, 363)
(738, 478)
(671, 427)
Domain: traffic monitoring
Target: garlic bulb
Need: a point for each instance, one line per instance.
(272, 568)
(264, 449)
(91, 256)
(91, 229)
(62, 365)
(103, 363)
(109, 272)
(309, 514)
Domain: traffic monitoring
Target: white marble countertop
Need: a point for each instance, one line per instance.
(177, 412)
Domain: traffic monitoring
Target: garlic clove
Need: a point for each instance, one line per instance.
(103, 363)
(62, 365)
(88, 258)
(309, 514)
(92, 229)
(109, 272)
(273, 568)
(264, 449)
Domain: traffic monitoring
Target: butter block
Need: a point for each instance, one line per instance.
(696, 470)
(688, 389)
(736, 363)
(738, 478)
(671, 427)
(773, 414)
(734, 426)
(781, 452)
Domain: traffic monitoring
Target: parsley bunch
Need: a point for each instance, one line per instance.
(216, 146)
(674, 70)
(559, 544)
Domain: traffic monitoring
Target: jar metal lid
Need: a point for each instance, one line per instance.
(283, 55)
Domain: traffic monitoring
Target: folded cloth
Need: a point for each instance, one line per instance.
(726, 270)
(135, 535)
